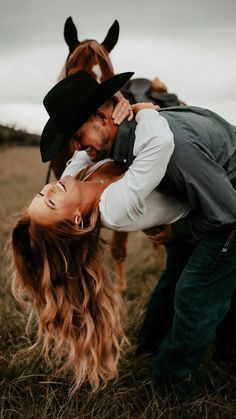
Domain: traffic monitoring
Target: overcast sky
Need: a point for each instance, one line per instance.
(188, 44)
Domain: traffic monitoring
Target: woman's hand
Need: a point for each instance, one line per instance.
(136, 107)
(160, 235)
(122, 110)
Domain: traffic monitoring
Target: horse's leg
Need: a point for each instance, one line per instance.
(118, 250)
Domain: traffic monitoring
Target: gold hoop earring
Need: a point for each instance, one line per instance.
(77, 223)
(81, 223)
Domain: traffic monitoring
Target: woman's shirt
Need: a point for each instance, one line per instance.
(131, 203)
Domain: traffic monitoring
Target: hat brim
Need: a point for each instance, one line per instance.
(52, 140)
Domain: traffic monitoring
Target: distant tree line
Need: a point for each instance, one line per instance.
(9, 136)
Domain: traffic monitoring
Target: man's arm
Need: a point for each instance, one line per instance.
(123, 201)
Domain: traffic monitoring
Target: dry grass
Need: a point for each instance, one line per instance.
(31, 389)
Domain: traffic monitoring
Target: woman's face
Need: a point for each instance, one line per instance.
(56, 202)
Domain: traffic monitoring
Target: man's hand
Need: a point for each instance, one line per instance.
(122, 110)
(160, 235)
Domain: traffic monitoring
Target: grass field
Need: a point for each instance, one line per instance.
(31, 389)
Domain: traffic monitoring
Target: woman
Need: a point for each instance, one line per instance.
(57, 254)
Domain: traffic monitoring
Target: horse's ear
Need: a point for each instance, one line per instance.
(70, 34)
(112, 36)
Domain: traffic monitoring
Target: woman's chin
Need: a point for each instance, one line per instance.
(68, 181)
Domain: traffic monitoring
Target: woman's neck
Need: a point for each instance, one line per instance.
(109, 172)
(93, 186)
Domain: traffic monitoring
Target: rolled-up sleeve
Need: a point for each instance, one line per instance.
(124, 200)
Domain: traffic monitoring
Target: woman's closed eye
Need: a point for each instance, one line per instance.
(49, 200)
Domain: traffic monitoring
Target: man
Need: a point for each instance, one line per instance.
(201, 170)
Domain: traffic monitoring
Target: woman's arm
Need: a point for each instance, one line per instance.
(79, 161)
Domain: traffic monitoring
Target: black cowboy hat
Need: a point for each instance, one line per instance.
(70, 103)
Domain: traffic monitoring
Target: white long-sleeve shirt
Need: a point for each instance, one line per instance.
(131, 203)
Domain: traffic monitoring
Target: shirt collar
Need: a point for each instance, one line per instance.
(120, 148)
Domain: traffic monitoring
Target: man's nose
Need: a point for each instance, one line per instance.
(77, 146)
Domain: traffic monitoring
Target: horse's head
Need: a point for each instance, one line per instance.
(92, 57)
(89, 55)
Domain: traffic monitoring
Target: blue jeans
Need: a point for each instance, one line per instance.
(190, 301)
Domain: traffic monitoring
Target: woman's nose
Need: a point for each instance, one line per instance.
(51, 187)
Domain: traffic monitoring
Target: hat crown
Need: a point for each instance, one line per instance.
(65, 99)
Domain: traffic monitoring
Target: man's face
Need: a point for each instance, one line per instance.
(95, 138)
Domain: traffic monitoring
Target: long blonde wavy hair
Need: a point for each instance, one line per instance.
(60, 270)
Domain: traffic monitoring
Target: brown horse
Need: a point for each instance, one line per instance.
(93, 57)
